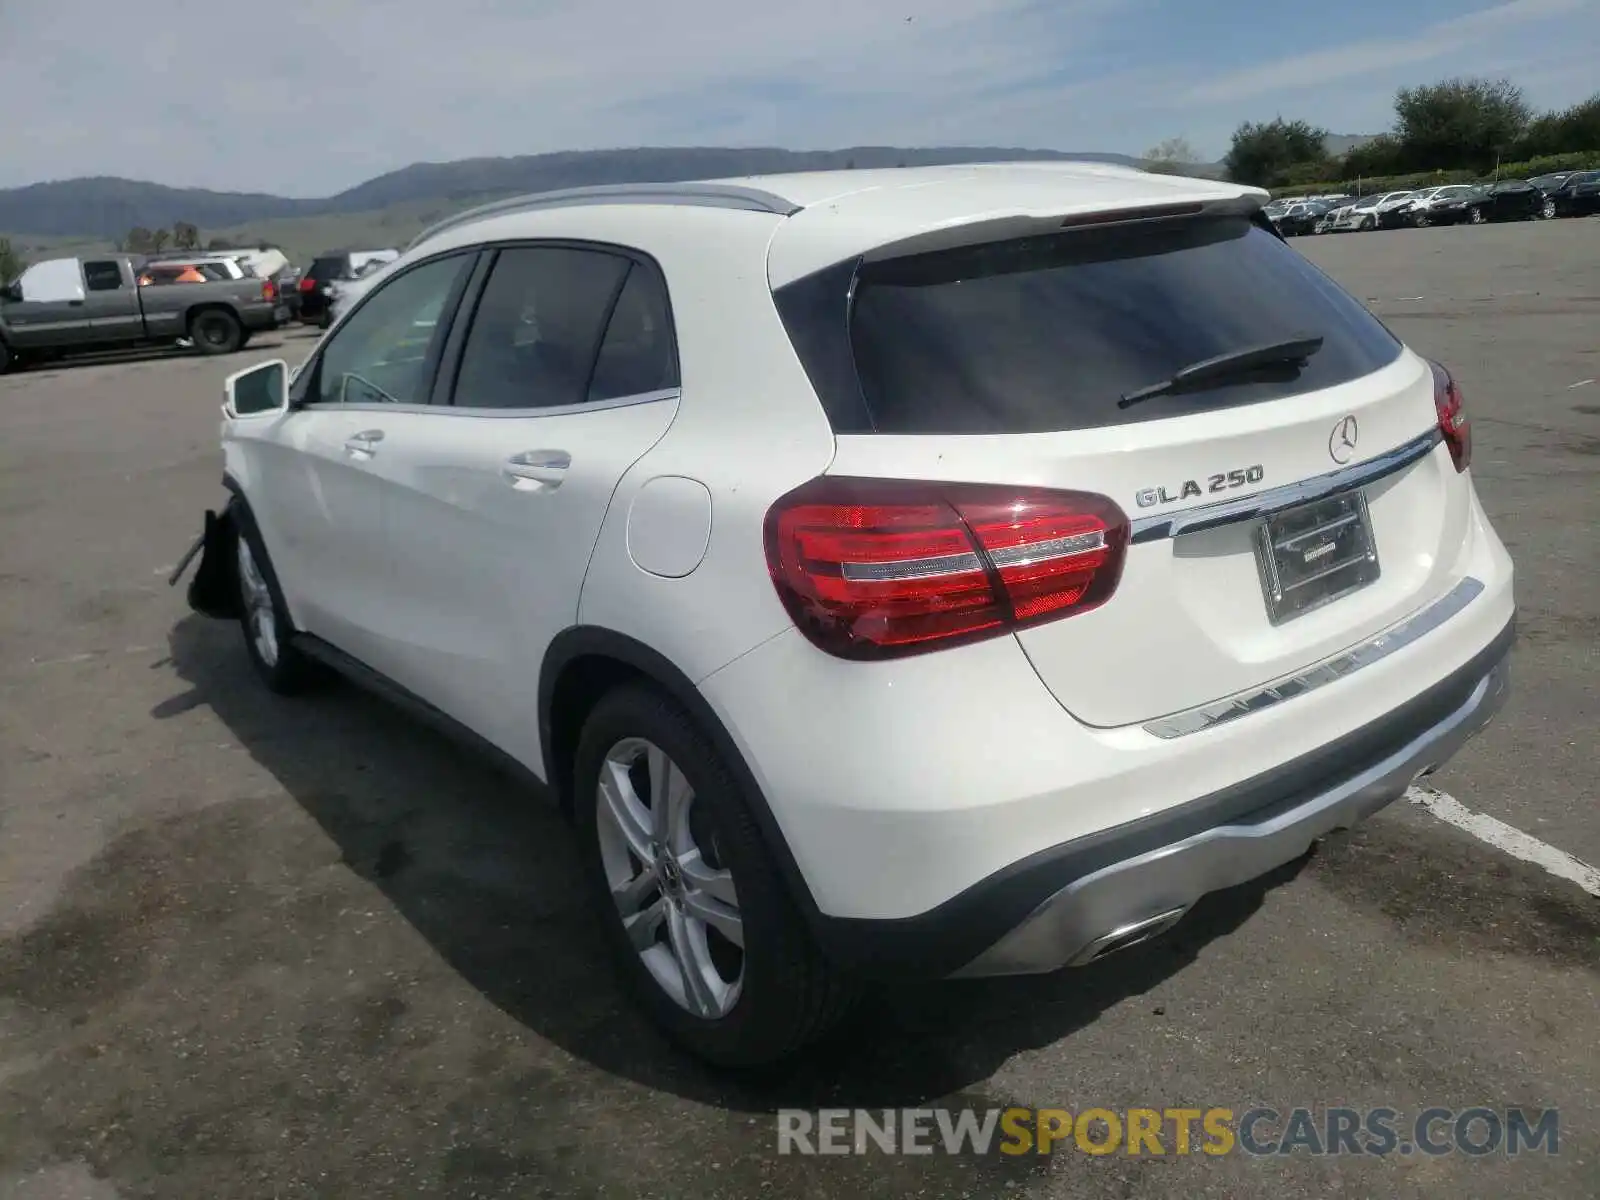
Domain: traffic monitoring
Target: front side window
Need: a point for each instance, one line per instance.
(387, 350)
(538, 328)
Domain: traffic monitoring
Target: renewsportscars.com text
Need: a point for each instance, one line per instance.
(1256, 1131)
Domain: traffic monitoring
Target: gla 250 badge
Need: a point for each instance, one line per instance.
(1223, 481)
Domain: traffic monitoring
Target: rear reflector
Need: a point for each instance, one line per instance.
(878, 568)
(1453, 422)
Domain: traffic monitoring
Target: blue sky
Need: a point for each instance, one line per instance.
(307, 97)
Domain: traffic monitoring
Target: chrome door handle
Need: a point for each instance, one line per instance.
(532, 467)
(363, 444)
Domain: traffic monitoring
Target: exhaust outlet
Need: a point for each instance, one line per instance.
(1126, 936)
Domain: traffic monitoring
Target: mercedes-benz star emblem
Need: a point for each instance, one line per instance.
(1342, 441)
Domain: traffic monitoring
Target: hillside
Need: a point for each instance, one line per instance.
(102, 208)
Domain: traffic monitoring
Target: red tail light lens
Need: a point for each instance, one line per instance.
(875, 568)
(269, 290)
(1453, 422)
(308, 284)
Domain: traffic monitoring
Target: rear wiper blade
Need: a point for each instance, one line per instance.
(1293, 352)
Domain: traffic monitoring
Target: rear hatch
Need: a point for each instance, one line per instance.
(1003, 363)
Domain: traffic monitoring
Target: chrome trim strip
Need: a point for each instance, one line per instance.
(1264, 504)
(1418, 625)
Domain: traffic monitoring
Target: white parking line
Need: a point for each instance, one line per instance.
(1579, 384)
(1506, 838)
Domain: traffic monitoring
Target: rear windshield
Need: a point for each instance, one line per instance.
(1046, 334)
(331, 267)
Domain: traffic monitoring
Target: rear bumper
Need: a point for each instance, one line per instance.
(259, 317)
(1103, 893)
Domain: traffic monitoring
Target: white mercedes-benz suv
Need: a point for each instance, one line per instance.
(945, 572)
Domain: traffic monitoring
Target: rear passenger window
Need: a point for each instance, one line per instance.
(538, 328)
(102, 276)
(637, 354)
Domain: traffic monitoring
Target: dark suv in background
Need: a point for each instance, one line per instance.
(329, 268)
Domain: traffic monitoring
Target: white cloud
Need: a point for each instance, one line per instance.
(1353, 60)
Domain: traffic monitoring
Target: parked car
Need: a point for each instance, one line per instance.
(1508, 200)
(1578, 196)
(819, 628)
(329, 268)
(71, 305)
(1416, 211)
(1549, 185)
(1367, 213)
(1302, 218)
(341, 294)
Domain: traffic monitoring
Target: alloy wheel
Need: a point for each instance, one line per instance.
(662, 865)
(261, 615)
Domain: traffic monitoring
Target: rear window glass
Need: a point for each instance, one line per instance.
(1047, 333)
(333, 267)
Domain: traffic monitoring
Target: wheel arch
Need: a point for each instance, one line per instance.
(586, 661)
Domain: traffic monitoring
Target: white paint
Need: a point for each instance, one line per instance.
(1579, 384)
(1506, 838)
(669, 526)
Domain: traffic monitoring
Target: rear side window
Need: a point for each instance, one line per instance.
(538, 328)
(637, 354)
(1047, 333)
(102, 276)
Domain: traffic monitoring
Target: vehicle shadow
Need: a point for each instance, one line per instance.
(484, 869)
(43, 368)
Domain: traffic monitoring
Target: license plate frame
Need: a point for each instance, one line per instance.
(1313, 554)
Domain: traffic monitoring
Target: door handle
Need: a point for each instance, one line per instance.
(363, 444)
(533, 467)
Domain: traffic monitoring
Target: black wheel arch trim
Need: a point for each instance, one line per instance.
(594, 641)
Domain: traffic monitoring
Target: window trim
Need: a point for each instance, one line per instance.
(450, 367)
(309, 381)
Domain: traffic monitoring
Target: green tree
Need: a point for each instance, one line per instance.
(185, 236)
(158, 240)
(12, 264)
(138, 240)
(1175, 156)
(1459, 123)
(1570, 131)
(1262, 153)
(1383, 155)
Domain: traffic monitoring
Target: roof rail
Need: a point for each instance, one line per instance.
(709, 195)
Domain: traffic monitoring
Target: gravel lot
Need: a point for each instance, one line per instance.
(251, 948)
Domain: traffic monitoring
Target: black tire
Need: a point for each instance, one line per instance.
(1547, 210)
(287, 672)
(215, 331)
(790, 995)
(1421, 220)
(1475, 217)
(244, 339)
(8, 361)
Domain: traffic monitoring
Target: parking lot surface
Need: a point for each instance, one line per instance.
(259, 948)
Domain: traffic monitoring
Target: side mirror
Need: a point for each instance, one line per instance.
(257, 391)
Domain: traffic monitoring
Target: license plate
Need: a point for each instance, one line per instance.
(1315, 554)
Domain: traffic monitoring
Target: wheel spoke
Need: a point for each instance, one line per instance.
(631, 894)
(642, 926)
(625, 811)
(669, 797)
(696, 987)
(724, 918)
(702, 876)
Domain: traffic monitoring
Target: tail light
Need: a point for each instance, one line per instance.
(876, 568)
(1453, 422)
(269, 290)
(308, 284)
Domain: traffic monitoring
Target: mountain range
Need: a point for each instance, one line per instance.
(107, 207)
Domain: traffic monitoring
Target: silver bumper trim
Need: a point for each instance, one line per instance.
(1127, 895)
(1347, 662)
